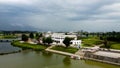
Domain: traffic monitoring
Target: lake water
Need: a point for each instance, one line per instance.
(6, 47)
(35, 59)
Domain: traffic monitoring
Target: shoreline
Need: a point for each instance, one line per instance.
(10, 52)
(62, 53)
(104, 57)
(76, 56)
(102, 61)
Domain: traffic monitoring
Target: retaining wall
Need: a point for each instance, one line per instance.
(105, 59)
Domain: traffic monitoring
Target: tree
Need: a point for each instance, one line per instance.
(31, 35)
(66, 33)
(101, 37)
(37, 35)
(87, 34)
(67, 41)
(24, 37)
(107, 44)
(49, 40)
(40, 35)
(44, 40)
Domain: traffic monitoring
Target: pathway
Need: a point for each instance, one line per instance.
(80, 53)
(61, 52)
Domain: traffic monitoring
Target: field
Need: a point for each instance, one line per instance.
(8, 37)
(115, 45)
(64, 49)
(91, 41)
(28, 46)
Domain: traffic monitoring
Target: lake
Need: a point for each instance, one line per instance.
(36, 59)
(6, 47)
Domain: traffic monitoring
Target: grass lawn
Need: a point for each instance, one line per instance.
(1, 37)
(115, 45)
(64, 49)
(8, 37)
(91, 41)
(28, 46)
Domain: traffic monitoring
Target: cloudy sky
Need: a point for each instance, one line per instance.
(60, 15)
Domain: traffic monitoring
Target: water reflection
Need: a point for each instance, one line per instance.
(25, 52)
(67, 61)
(100, 64)
(38, 52)
(46, 53)
(38, 59)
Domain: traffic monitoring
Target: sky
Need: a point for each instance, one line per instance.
(60, 15)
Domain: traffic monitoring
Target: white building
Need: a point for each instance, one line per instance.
(59, 38)
(48, 34)
(76, 43)
(72, 33)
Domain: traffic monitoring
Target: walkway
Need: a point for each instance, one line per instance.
(80, 53)
(60, 52)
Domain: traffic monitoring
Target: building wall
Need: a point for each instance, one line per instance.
(76, 43)
(102, 58)
(59, 37)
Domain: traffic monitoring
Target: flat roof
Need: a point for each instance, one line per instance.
(108, 54)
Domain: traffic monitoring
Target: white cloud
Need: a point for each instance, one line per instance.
(14, 2)
(111, 8)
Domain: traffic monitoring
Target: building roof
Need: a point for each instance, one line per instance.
(108, 54)
(62, 35)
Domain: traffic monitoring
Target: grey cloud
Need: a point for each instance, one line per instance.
(58, 15)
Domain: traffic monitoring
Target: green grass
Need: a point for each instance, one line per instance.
(8, 37)
(91, 41)
(1, 37)
(64, 49)
(28, 46)
(115, 45)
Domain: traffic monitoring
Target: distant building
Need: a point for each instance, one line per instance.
(59, 38)
(48, 34)
(76, 43)
(72, 33)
